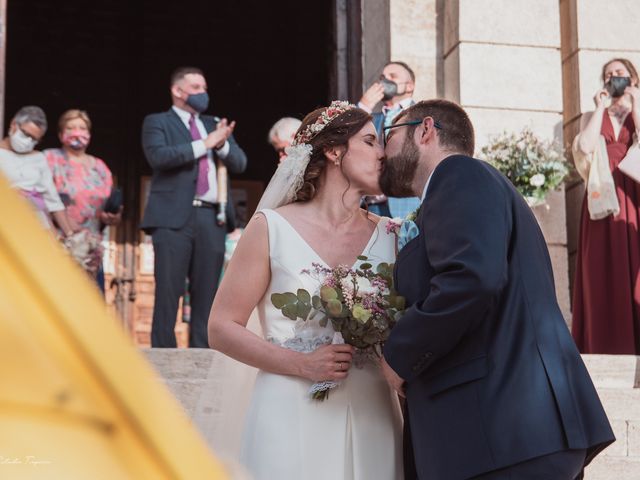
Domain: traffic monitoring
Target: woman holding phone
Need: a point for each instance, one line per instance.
(606, 300)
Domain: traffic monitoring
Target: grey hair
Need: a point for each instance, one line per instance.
(32, 114)
(284, 129)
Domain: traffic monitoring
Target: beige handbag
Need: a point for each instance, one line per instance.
(630, 164)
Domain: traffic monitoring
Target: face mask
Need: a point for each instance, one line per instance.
(390, 88)
(76, 139)
(22, 143)
(616, 85)
(198, 101)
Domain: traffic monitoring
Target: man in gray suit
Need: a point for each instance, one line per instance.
(185, 212)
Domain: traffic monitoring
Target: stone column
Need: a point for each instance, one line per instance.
(593, 32)
(415, 27)
(502, 64)
(375, 39)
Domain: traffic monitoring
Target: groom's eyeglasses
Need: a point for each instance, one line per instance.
(385, 130)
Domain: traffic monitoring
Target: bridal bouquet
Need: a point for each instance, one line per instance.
(535, 167)
(360, 303)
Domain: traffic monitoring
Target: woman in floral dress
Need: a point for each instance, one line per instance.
(83, 181)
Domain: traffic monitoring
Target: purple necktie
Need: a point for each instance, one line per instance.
(202, 185)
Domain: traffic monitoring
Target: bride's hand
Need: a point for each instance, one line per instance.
(329, 362)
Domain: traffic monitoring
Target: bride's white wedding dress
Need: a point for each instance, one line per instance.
(353, 435)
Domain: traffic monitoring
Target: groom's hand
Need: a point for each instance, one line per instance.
(392, 378)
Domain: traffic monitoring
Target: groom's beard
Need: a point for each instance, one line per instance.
(397, 176)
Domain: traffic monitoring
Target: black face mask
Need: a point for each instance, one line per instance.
(390, 88)
(616, 85)
(198, 101)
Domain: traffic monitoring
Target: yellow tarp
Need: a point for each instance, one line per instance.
(77, 400)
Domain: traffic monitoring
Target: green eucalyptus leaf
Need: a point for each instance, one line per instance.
(334, 307)
(290, 298)
(363, 257)
(277, 300)
(383, 269)
(366, 266)
(303, 310)
(290, 311)
(328, 293)
(316, 302)
(303, 296)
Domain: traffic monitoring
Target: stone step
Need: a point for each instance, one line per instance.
(610, 468)
(613, 371)
(621, 404)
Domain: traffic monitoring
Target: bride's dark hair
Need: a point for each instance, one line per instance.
(336, 134)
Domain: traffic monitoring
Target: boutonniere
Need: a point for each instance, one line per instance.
(413, 216)
(406, 230)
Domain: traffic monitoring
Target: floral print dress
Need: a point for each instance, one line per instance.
(86, 183)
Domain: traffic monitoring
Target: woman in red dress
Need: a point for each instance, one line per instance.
(606, 300)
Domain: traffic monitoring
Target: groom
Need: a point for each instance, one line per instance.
(494, 385)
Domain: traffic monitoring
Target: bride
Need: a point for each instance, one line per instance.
(310, 213)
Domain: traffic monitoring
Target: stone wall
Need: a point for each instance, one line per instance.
(415, 31)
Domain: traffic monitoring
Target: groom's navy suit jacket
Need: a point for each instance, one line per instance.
(493, 377)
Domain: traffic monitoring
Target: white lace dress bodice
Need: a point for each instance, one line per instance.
(353, 435)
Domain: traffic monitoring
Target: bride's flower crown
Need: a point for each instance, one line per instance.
(289, 176)
(337, 108)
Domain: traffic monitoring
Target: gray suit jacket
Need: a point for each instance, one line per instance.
(167, 146)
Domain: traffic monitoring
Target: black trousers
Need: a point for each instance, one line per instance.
(565, 465)
(197, 251)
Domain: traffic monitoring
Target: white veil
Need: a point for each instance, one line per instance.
(288, 178)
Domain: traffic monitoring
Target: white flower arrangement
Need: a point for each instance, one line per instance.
(534, 166)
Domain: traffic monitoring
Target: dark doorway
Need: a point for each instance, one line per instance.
(113, 58)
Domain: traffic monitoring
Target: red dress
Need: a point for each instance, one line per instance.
(606, 300)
